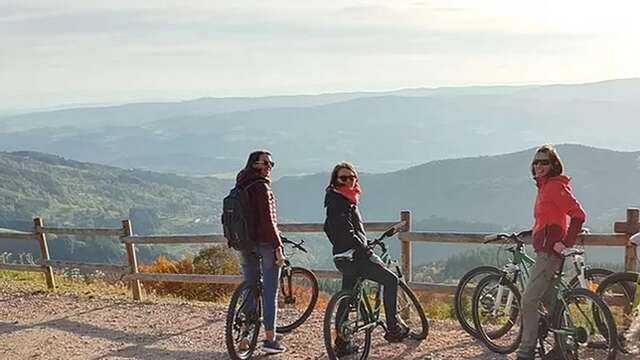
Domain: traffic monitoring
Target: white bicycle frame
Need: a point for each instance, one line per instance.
(579, 264)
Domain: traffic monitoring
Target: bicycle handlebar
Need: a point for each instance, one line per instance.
(515, 237)
(297, 245)
(387, 233)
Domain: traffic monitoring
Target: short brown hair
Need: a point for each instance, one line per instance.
(341, 165)
(556, 163)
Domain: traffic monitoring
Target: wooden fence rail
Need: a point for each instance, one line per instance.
(620, 237)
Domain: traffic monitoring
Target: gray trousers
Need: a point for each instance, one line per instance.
(539, 288)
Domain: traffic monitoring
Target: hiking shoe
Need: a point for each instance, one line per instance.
(397, 335)
(273, 347)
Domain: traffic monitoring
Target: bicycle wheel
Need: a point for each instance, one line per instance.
(346, 324)
(576, 333)
(242, 324)
(618, 292)
(410, 313)
(464, 294)
(594, 278)
(495, 310)
(297, 298)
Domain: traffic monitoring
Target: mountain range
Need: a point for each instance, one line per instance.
(476, 194)
(380, 132)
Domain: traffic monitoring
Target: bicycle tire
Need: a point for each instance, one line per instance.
(618, 292)
(459, 303)
(289, 296)
(487, 336)
(418, 333)
(346, 297)
(586, 339)
(234, 321)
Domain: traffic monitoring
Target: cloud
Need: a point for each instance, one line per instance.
(104, 46)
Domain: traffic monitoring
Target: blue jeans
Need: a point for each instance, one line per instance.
(270, 279)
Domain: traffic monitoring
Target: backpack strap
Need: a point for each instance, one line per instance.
(252, 183)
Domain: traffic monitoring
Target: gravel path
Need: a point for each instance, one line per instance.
(49, 326)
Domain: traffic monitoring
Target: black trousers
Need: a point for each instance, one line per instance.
(364, 268)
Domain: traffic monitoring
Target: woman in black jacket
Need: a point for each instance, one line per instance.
(351, 254)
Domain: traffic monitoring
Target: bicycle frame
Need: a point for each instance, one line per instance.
(362, 295)
(372, 311)
(520, 264)
(561, 287)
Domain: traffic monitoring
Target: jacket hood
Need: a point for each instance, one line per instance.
(246, 176)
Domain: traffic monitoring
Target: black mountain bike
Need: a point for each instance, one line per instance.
(298, 294)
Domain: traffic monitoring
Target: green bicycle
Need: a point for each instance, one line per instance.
(577, 325)
(518, 272)
(352, 315)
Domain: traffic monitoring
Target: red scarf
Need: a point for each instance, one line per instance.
(352, 194)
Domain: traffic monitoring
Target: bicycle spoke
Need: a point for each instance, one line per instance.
(576, 329)
(496, 314)
(347, 334)
(243, 323)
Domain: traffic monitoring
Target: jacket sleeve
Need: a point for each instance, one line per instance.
(567, 203)
(343, 227)
(265, 212)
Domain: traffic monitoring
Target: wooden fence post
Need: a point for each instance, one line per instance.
(133, 260)
(405, 246)
(630, 227)
(44, 252)
(633, 226)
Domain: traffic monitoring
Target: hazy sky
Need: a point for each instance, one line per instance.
(63, 52)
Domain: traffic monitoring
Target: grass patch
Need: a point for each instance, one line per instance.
(29, 283)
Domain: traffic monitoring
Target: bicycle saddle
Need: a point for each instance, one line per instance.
(572, 251)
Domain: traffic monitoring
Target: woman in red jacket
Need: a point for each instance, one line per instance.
(552, 233)
(256, 179)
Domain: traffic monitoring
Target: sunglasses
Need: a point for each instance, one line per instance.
(344, 178)
(543, 162)
(270, 164)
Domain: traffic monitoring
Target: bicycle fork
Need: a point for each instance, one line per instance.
(509, 269)
(498, 302)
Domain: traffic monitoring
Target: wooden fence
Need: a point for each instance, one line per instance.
(620, 237)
